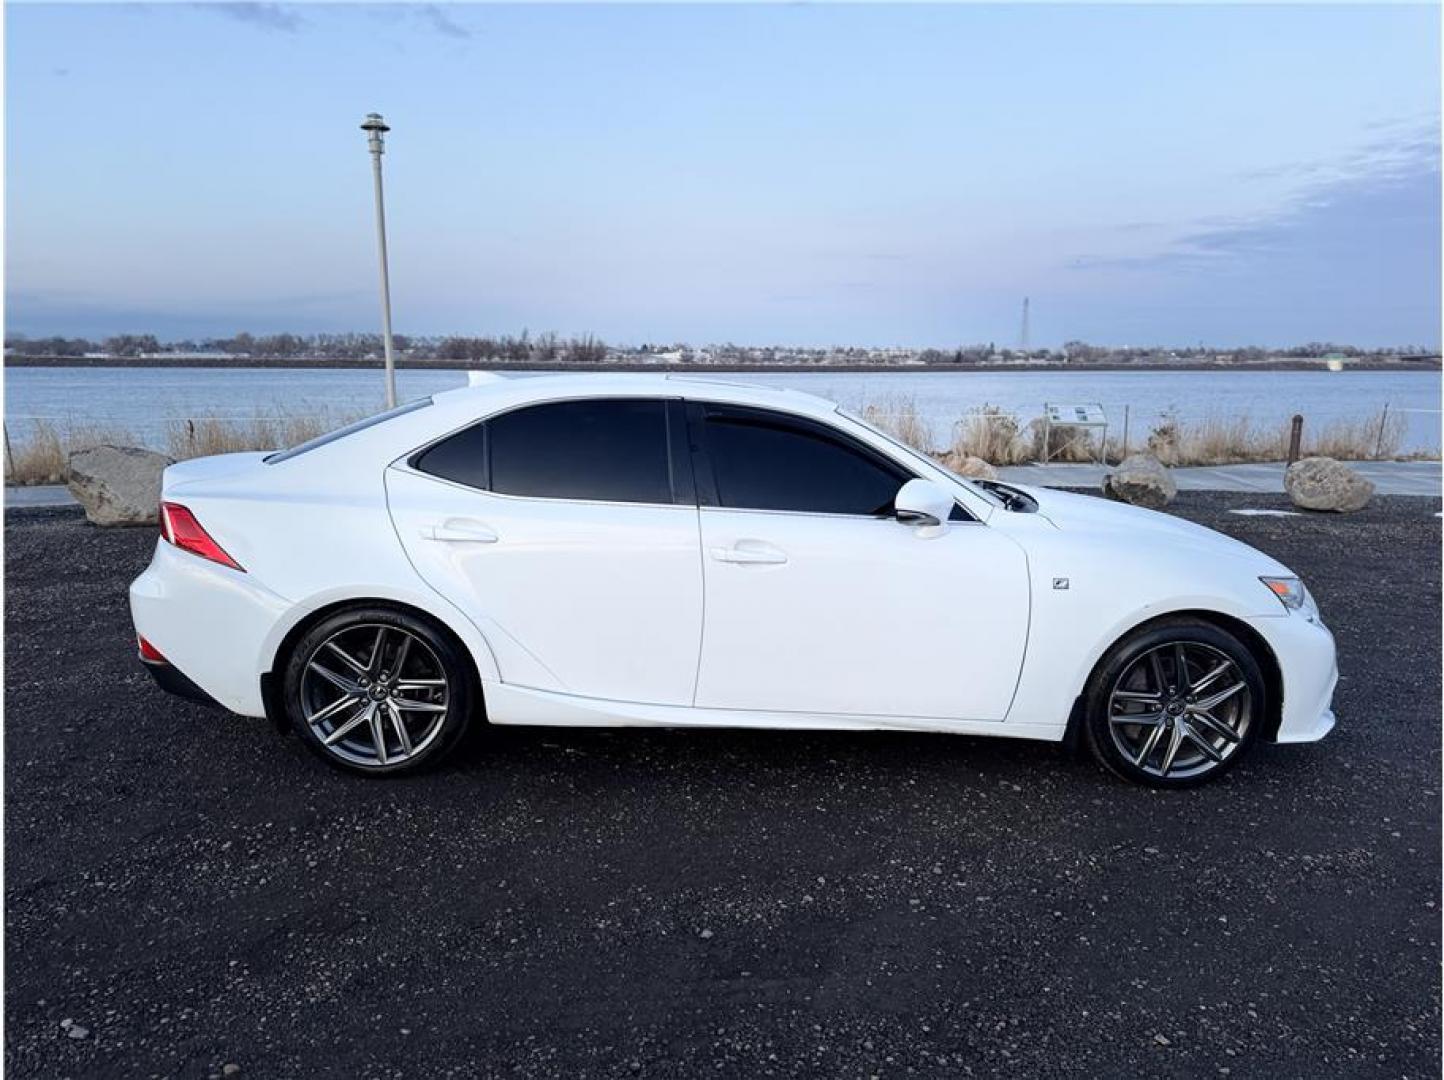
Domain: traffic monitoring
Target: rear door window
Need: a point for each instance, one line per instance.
(603, 450)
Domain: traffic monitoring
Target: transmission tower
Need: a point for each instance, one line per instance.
(1023, 334)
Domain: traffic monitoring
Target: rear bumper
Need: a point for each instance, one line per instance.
(1308, 664)
(170, 679)
(212, 624)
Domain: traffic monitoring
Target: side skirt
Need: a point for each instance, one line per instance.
(507, 704)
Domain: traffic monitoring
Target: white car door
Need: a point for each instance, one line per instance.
(560, 529)
(819, 601)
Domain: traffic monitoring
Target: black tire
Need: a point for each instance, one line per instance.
(1147, 660)
(418, 721)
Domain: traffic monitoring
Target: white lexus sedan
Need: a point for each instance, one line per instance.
(607, 550)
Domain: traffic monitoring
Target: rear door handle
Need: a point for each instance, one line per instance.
(455, 531)
(750, 552)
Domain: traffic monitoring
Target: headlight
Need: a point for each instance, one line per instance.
(1289, 590)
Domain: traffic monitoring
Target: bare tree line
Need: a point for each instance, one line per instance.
(543, 348)
(551, 348)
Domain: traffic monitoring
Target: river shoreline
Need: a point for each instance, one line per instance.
(411, 364)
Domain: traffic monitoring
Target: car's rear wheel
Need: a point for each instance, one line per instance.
(1177, 704)
(378, 691)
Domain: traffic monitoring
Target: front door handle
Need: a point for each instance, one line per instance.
(458, 531)
(750, 552)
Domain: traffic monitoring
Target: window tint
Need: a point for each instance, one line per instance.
(612, 451)
(763, 462)
(461, 457)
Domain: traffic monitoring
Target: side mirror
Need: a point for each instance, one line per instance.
(922, 502)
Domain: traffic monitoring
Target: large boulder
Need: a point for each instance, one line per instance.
(1143, 480)
(117, 485)
(975, 468)
(1321, 483)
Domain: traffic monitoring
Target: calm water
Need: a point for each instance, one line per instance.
(142, 400)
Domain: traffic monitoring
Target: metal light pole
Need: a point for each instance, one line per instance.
(375, 127)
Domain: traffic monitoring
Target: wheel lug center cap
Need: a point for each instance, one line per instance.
(1175, 707)
(376, 692)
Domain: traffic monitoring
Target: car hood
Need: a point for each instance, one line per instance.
(1071, 512)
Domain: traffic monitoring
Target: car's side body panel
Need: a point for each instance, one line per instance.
(1087, 595)
(306, 538)
(860, 616)
(598, 599)
(520, 705)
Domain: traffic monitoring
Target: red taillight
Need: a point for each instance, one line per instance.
(180, 527)
(148, 652)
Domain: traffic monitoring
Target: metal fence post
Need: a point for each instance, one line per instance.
(1296, 437)
(1125, 431)
(9, 457)
(1383, 419)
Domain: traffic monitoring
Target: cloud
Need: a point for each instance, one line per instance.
(1403, 145)
(1353, 256)
(262, 16)
(1387, 193)
(438, 20)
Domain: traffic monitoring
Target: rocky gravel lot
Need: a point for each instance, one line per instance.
(189, 894)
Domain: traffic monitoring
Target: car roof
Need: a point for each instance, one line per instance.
(451, 410)
(501, 392)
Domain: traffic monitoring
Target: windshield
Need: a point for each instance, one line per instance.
(349, 429)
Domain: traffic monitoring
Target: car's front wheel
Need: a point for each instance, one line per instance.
(1176, 704)
(377, 690)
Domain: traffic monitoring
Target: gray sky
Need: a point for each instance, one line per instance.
(792, 174)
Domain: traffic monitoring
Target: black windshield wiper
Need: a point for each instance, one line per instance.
(1013, 500)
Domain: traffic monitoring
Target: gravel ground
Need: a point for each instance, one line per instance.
(187, 890)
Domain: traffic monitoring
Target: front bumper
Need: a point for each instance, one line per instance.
(1309, 671)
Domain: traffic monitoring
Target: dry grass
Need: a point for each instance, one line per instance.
(1063, 442)
(39, 453)
(990, 433)
(208, 435)
(900, 418)
(1218, 440)
(1375, 436)
(1000, 438)
(1215, 441)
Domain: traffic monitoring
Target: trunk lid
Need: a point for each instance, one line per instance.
(185, 474)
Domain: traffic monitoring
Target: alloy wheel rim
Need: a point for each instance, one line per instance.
(1180, 710)
(374, 695)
